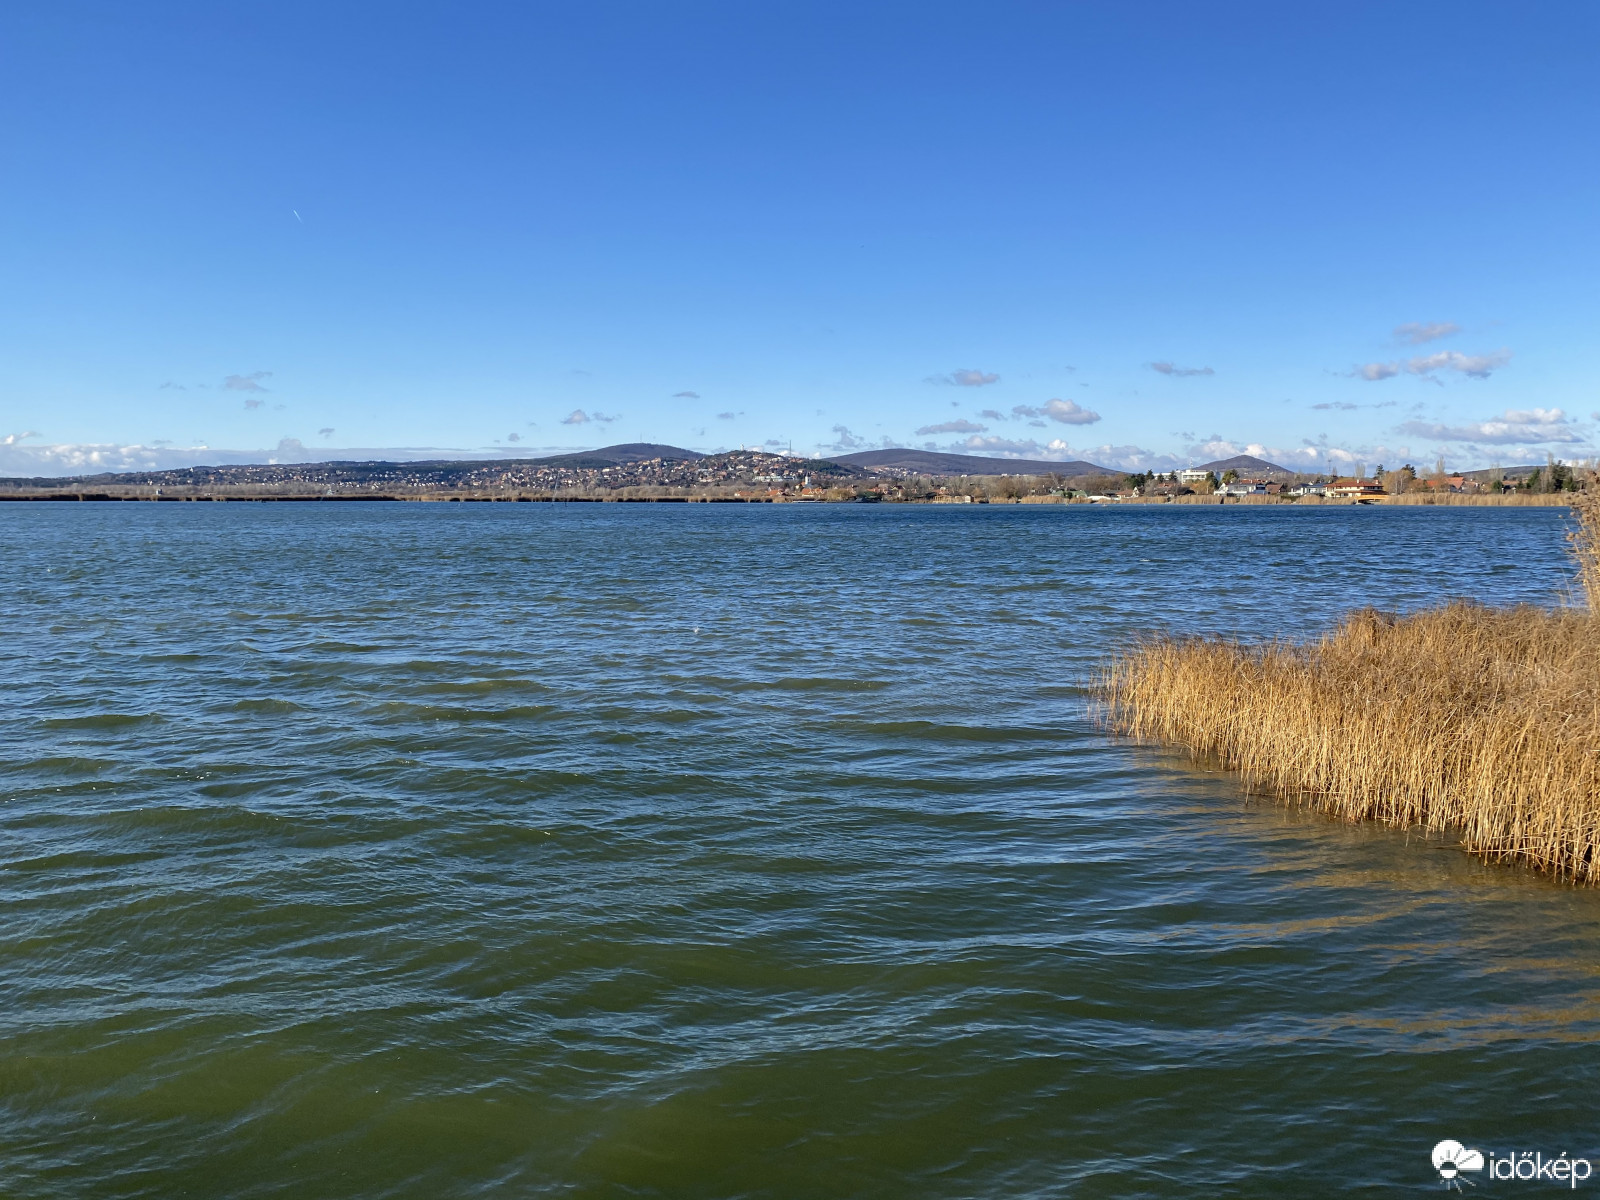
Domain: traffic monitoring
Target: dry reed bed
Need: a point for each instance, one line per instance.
(1479, 500)
(1480, 720)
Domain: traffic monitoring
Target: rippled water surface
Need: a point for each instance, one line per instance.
(500, 850)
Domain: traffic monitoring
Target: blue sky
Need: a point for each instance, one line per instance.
(1145, 234)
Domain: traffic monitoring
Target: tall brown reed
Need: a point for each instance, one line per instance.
(1481, 720)
(1585, 540)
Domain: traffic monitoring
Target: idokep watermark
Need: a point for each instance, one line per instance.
(1457, 1164)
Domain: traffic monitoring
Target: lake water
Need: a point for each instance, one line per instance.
(499, 850)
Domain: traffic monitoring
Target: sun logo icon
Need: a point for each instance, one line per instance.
(1451, 1158)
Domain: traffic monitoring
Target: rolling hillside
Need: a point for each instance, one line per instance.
(927, 462)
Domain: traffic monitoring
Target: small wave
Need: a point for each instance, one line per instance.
(103, 721)
(481, 687)
(931, 731)
(782, 683)
(266, 706)
(399, 711)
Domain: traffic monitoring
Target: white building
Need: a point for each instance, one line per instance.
(1245, 487)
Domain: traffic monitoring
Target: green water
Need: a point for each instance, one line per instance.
(452, 851)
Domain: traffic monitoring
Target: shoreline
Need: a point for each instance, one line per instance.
(1551, 500)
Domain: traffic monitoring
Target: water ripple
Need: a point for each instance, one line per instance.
(464, 851)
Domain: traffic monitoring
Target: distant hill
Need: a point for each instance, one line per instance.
(928, 462)
(1246, 464)
(447, 471)
(1488, 473)
(610, 468)
(614, 456)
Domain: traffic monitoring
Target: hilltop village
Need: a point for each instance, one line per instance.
(603, 474)
(648, 472)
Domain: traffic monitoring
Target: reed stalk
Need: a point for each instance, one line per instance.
(1485, 721)
(1585, 541)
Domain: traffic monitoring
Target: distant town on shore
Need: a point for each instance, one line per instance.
(643, 471)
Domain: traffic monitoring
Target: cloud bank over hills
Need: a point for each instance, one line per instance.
(1522, 433)
(1514, 427)
(22, 459)
(1020, 419)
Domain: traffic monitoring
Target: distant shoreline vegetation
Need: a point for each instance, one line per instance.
(1483, 721)
(646, 472)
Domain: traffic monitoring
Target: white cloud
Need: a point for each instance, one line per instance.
(1473, 366)
(1123, 458)
(11, 439)
(990, 414)
(246, 383)
(1318, 456)
(1346, 406)
(1167, 368)
(96, 458)
(999, 447)
(686, 395)
(1312, 457)
(961, 426)
(845, 440)
(1415, 333)
(578, 417)
(1514, 427)
(253, 402)
(1055, 450)
(1064, 412)
(966, 377)
(1069, 412)
(1214, 447)
(1308, 456)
